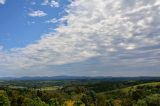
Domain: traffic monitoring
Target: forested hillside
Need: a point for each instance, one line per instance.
(86, 92)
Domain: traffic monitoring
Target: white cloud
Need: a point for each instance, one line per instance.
(53, 20)
(51, 3)
(116, 31)
(2, 2)
(54, 3)
(37, 13)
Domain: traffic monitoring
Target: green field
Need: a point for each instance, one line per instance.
(49, 88)
(133, 88)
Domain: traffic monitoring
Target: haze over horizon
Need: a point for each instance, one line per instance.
(79, 38)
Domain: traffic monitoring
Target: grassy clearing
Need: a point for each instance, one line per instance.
(49, 88)
(17, 87)
(152, 84)
(2, 91)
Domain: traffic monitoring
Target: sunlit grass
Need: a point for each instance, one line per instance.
(49, 88)
(152, 84)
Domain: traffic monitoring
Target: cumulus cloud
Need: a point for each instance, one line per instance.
(120, 33)
(51, 3)
(2, 2)
(37, 13)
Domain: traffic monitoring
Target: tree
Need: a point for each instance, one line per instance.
(87, 100)
(69, 103)
(109, 102)
(127, 102)
(27, 102)
(101, 100)
(38, 102)
(54, 102)
(137, 94)
(93, 96)
(141, 103)
(39, 93)
(78, 103)
(20, 100)
(153, 100)
(4, 101)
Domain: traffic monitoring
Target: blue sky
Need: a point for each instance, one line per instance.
(79, 38)
(18, 29)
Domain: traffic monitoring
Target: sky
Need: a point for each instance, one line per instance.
(79, 38)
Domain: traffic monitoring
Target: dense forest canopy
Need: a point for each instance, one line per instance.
(81, 92)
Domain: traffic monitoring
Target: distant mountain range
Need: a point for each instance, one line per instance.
(80, 78)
